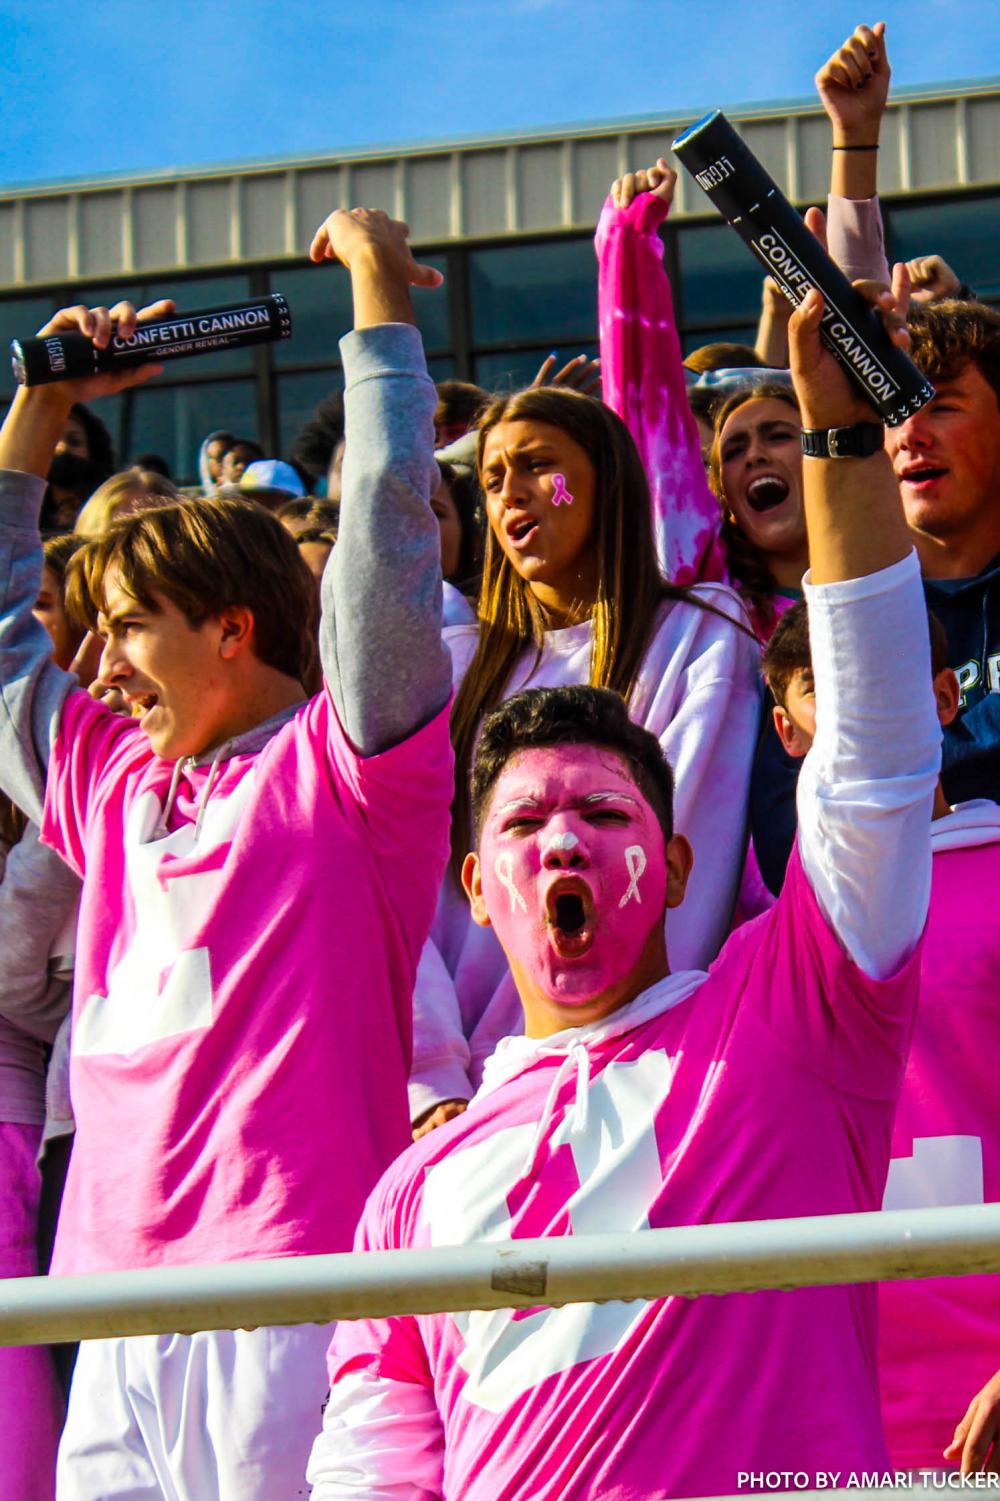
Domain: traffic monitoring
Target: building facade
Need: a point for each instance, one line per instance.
(508, 220)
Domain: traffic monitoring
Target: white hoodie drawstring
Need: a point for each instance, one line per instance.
(572, 1046)
(576, 1056)
(186, 762)
(207, 789)
(168, 807)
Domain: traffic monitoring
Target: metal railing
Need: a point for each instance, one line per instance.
(688, 1261)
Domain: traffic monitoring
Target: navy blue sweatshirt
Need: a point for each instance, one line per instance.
(969, 610)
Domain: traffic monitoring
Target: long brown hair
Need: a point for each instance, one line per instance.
(629, 583)
(748, 567)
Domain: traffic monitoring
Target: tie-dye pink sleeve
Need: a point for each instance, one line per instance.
(643, 381)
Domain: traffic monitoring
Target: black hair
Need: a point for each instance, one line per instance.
(154, 462)
(571, 715)
(318, 437)
(468, 501)
(789, 650)
(459, 402)
(100, 448)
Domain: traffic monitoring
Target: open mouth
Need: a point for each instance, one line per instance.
(569, 913)
(139, 704)
(521, 530)
(926, 475)
(765, 493)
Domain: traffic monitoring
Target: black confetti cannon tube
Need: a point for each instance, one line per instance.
(68, 356)
(753, 204)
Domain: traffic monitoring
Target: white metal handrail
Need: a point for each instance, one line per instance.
(688, 1261)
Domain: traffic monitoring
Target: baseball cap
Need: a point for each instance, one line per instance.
(271, 474)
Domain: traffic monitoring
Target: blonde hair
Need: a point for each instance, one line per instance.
(131, 490)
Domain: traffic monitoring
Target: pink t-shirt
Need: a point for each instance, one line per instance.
(241, 1024)
(766, 1090)
(940, 1338)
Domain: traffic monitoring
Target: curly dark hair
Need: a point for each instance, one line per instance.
(947, 335)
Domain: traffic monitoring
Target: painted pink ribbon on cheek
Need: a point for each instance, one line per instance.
(559, 492)
(635, 863)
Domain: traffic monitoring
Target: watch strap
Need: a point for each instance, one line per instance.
(857, 442)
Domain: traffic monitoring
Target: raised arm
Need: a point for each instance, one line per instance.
(643, 375)
(866, 787)
(853, 86)
(771, 342)
(380, 639)
(32, 689)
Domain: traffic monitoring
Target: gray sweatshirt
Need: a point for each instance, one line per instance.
(380, 637)
(380, 643)
(38, 902)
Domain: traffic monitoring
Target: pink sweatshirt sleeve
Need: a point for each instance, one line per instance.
(855, 238)
(643, 381)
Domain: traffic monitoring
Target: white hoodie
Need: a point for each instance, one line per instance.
(698, 692)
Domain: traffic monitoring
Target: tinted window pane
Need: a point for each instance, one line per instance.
(441, 369)
(191, 296)
(208, 292)
(719, 276)
(322, 312)
(516, 368)
(174, 421)
(534, 292)
(298, 398)
(431, 307)
(20, 318)
(741, 333)
(966, 233)
(111, 410)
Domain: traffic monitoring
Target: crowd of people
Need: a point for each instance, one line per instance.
(509, 816)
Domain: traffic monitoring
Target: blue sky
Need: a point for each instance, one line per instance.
(98, 86)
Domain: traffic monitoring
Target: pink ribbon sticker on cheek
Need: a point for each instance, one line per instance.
(559, 491)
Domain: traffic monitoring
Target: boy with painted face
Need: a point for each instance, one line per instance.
(643, 1098)
(238, 1085)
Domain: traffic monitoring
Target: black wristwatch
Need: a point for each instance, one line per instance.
(857, 442)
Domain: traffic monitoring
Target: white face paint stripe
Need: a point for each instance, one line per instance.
(518, 802)
(635, 860)
(610, 797)
(503, 865)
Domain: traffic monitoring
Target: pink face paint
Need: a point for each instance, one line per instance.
(559, 492)
(548, 837)
(635, 860)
